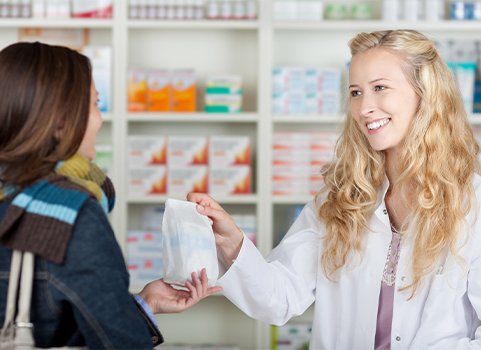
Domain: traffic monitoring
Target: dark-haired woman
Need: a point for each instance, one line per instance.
(54, 201)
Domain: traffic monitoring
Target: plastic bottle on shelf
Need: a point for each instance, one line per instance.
(161, 9)
(14, 8)
(251, 9)
(133, 9)
(213, 9)
(170, 9)
(238, 9)
(189, 9)
(477, 10)
(225, 9)
(180, 10)
(434, 10)
(26, 9)
(412, 10)
(457, 10)
(152, 9)
(391, 10)
(199, 9)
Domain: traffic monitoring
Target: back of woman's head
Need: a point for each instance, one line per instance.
(44, 108)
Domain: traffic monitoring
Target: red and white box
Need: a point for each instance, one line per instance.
(187, 150)
(229, 150)
(144, 244)
(147, 181)
(182, 180)
(146, 151)
(231, 180)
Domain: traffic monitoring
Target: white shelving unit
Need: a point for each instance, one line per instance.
(248, 48)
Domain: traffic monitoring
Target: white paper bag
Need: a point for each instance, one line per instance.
(188, 243)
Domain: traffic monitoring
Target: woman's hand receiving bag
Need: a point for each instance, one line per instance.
(188, 243)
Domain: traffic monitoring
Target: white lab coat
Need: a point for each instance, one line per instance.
(444, 313)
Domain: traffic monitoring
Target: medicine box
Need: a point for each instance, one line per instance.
(158, 90)
(183, 90)
(229, 150)
(146, 151)
(230, 180)
(137, 89)
(182, 180)
(187, 150)
(147, 181)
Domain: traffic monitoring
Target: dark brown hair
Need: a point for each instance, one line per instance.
(44, 108)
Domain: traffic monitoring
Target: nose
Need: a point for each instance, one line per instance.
(367, 105)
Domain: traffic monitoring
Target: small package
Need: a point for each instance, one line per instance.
(188, 243)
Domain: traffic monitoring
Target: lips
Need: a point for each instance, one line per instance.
(377, 124)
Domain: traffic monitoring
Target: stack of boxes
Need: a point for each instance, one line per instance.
(223, 94)
(298, 90)
(188, 161)
(230, 165)
(177, 165)
(297, 159)
(144, 249)
(160, 90)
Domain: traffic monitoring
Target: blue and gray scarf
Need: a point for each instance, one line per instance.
(40, 218)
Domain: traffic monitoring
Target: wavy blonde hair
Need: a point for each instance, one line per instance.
(437, 163)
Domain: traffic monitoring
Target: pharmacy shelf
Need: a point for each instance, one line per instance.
(193, 117)
(356, 26)
(188, 24)
(308, 119)
(244, 46)
(292, 200)
(107, 117)
(55, 23)
(154, 199)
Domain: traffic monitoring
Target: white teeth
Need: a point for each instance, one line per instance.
(378, 124)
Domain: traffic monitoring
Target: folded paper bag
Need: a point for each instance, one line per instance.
(188, 243)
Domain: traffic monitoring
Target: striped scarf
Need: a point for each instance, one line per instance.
(40, 218)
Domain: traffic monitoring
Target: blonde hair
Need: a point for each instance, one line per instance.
(438, 160)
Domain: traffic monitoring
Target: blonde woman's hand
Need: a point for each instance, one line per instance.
(163, 298)
(228, 237)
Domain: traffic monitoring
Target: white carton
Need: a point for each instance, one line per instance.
(187, 150)
(182, 180)
(144, 244)
(147, 181)
(146, 151)
(230, 180)
(229, 150)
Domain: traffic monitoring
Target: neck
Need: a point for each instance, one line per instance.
(392, 166)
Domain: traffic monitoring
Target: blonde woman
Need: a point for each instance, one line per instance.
(390, 249)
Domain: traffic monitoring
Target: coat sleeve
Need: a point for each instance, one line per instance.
(95, 281)
(282, 286)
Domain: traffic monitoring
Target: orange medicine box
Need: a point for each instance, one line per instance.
(158, 90)
(137, 89)
(183, 90)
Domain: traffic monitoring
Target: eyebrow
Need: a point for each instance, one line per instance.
(371, 82)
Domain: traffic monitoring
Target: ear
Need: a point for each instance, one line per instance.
(59, 129)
